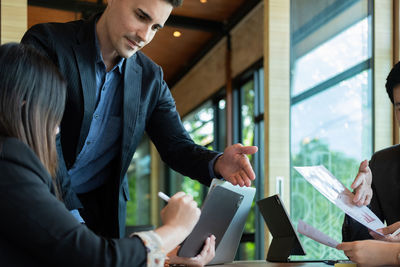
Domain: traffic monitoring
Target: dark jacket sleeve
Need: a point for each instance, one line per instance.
(37, 225)
(353, 230)
(174, 144)
(38, 37)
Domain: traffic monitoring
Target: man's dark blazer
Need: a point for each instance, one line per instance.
(37, 230)
(385, 202)
(147, 106)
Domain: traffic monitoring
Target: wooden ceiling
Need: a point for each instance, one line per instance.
(201, 25)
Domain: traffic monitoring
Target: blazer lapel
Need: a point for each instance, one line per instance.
(85, 57)
(131, 105)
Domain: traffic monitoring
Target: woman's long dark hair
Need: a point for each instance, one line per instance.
(32, 99)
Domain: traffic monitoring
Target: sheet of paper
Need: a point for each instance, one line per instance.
(316, 235)
(338, 194)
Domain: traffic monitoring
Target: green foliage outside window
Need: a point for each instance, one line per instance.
(247, 250)
(131, 216)
(194, 188)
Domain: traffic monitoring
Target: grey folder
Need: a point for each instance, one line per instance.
(217, 212)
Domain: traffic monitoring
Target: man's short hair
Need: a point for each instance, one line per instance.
(175, 3)
(393, 80)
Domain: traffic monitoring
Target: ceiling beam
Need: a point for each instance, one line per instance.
(231, 23)
(195, 23)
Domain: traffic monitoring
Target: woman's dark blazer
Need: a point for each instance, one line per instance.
(37, 230)
(147, 106)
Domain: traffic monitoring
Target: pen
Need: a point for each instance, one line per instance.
(163, 196)
(395, 233)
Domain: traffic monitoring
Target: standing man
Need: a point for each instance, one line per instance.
(115, 93)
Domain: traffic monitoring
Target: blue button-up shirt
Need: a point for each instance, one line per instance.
(103, 141)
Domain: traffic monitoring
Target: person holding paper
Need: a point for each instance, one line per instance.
(378, 181)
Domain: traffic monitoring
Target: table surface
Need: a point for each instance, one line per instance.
(272, 264)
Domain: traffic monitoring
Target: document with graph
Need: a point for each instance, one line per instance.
(329, 186)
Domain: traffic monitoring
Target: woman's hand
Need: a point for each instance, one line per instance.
(387, 231)
(205, 256)
(371, 252)
(179, 218)
(181, 212)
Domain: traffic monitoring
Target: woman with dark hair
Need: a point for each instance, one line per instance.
(36, 229)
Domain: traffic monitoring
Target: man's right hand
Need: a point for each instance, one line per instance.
(362, 185)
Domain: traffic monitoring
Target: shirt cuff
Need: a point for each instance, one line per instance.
(153, 243)
(211, 166)
(77, 216)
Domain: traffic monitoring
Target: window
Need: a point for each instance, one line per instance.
(206, 126)
(249, 130)
(200, 126)
(331, 105)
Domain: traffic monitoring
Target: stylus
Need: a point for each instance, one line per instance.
(163, 196)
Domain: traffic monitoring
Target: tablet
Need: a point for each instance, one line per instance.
(229, 244)
(285, 241)
(217, 212)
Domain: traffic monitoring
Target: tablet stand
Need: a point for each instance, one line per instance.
(282, 247)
